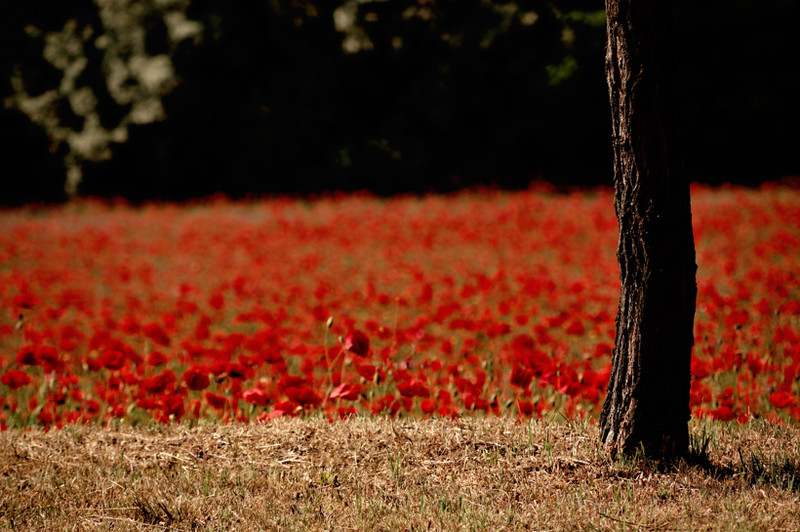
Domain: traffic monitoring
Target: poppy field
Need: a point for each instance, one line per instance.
(474, 304)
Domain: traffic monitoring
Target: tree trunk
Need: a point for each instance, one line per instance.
(647, 406)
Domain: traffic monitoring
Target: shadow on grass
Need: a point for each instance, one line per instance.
(753, 467)
(750, 466)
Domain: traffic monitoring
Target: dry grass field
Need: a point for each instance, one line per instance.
(378, 474)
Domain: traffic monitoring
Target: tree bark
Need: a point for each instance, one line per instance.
(647, 405)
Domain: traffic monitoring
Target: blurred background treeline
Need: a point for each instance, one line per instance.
(173, 99)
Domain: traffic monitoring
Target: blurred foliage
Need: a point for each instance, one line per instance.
(81, 74)
(183, 98)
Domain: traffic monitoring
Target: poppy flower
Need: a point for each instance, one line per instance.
(92, 406)
(26, 356)
(217, 301)
(782, 399)
(148, 403)
(237, 371)
(113, 359)
(700, 368)
(196, 378)
(367, 371)
(216, 401)
(46, 416)
(256, 396)
(357, 343)
(284, 408)
(521, 377)
(157, 334)
(348, 392)
(159, 383)
(94, 363)
(156, 358)
(48, 358)
(413, 387)
(497, 329)
(304, 396)
(25, 300)
(723, 413)
(525, 408)
(576, 328)
(427, 406)
(173, 405)
(15, 378)
(129, 325)
(290, 381)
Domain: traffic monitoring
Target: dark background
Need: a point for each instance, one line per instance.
(447, 94)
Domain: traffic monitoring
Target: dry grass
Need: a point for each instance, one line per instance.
(373, 474)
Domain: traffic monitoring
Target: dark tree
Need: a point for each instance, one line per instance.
(647, 406)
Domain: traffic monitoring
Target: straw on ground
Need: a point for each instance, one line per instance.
(379, 474)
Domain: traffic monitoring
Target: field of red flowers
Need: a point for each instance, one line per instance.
(472, 304)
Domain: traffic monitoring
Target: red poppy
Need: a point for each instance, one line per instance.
(216, 401)
(173, 405)
(113, 359)
(427, 406)
(525, 408)
(94, 363)
(46, 416)
(446, 347)
(348, 392)
(413, 387)
(782, 399)
(357, 343)
(304, 396)
(444, 397)
(270, 356)
(48, 357)
(202, 332)
(521, 377)
(217, 301)
(256, 396)
(237, 371)
(700, 368)
(576, 328)
(156, 333)
(148, 403)
(723, 413)
(472, 402)
(196, 378)
(25, 300)
(159, 383)
(737, 318)
(26, 356)
(156, 358)
(285, 407)
(290, 381)
(497, 329)
(465, 386)
(367, 371)
(92, 406)
(603, 349)
(15, 378)
(129, 325)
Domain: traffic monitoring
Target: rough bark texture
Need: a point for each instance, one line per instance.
(647, 406)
